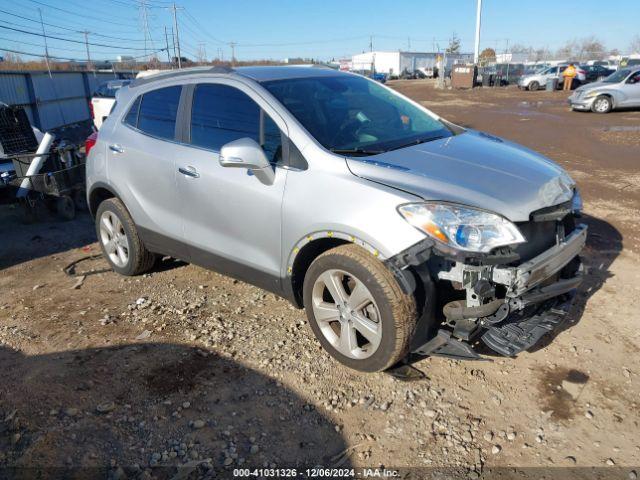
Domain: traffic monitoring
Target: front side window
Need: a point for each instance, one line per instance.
(221, 114)
(157, 113)
(634, 79)
(352, 115)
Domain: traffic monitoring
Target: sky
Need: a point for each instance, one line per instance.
(325, 29)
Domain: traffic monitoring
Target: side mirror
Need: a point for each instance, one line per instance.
(246, 153)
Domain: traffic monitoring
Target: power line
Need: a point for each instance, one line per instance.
(77, 50)
(66, 58)
(69, 12)
(74, 30)
(70, 40)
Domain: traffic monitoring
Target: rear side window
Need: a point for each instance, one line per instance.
(157, 112)
(222, 114)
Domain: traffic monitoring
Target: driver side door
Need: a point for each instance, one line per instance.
(631, 91)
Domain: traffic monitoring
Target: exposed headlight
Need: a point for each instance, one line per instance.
(592, 94)
(463, 228)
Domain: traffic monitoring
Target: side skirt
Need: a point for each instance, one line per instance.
(164, 245)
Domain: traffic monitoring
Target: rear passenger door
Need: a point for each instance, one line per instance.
(142, 154)
(231, 220)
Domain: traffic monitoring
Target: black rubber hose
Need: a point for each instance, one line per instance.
(457, 310)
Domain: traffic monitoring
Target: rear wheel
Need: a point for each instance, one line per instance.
(357, 309)
(533, 86)
(602, 104)
(119, 239)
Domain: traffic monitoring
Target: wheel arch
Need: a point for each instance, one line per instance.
(308, 249)
(99, 193)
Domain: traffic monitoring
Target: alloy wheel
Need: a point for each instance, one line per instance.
(601, 105)
(114, 239)
(347, 314)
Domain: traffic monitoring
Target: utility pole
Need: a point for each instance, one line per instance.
(46, 47)
(86, 44)
(371, 43)
(166, 41)
(175, 24)
(173, 42)
(233, 53)
(476, 52)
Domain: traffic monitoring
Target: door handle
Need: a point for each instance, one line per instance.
(116, 148)
(189, 171)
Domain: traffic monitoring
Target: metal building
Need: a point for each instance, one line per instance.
(396, 62)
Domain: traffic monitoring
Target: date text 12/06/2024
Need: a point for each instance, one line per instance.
(317, 472)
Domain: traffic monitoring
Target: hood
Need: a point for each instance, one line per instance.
(593, 86)
(474, 169)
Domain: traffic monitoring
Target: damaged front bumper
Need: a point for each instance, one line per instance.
(508, 307)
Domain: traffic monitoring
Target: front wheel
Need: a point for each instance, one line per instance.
(602, 104)
(533, 86)
(357, 309)
(119, 240)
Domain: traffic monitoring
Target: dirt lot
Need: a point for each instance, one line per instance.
(182, 366)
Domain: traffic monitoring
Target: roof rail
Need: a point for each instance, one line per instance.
(178, 73)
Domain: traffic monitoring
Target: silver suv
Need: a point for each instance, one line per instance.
(396, 230)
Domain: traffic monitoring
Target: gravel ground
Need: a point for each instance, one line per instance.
(131, 377)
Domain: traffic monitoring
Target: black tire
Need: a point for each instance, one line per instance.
(533, 86)
(602, 104)
(397, 309)
(140, 260)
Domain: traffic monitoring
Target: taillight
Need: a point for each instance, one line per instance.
(582, 72)
(91, 110)
(90, 142)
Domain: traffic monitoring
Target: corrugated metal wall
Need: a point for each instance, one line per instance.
(55, 101)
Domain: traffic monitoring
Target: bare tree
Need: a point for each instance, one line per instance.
(568, 50)
(634, 46)
(591, 48)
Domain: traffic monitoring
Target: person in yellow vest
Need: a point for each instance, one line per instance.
(569, 74)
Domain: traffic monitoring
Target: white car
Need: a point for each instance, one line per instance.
(103, 99)
(538, 80)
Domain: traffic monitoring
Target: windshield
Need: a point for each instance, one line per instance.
(352, 115)
(618, 76)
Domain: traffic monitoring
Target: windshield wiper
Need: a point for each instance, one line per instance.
(355, 151)
(418, 142)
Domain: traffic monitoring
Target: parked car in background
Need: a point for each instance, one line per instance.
(596, 73)
(379, 77)
(345, 197)
(103, 99)
(619, 90)
(630, 62)
(608, 64)
(538, 80)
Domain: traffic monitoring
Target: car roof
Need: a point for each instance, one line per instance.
(258, 73)
(263, 74)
